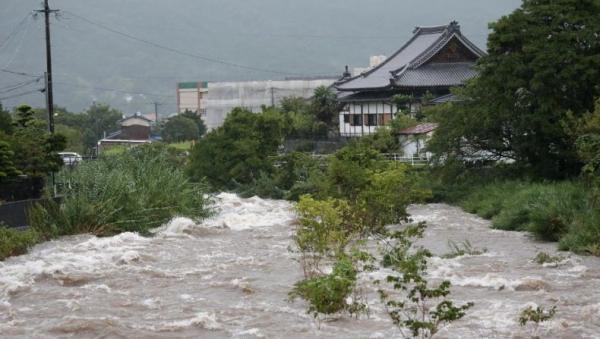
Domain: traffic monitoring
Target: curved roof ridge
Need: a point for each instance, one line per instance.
(364, 74)
(440, 44)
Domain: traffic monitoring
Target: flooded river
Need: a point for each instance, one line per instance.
(229, 277)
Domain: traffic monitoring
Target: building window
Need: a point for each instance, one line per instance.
(346, 118)
(356, 120)
(372, 120)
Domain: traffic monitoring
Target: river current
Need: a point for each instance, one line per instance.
(229, 277)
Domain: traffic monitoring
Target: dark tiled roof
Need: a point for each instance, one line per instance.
(432, 75)
(444, 99)
(425, 43)
(419, 129)
(365, 96)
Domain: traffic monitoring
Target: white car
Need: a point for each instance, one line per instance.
(70, 158)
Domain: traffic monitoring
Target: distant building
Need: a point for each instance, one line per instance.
(135, 130)
(433, 60)
(414, 140)
(190, 95)
(221, 98)
(374, 61)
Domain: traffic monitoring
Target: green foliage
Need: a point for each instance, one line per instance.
(236, 153)
(414, 311)
(6, 123)
(34, 149)
(543, 62)
(324, 231)
(132, 192)
(403, 103)
(535, 317)
(328, 294)
(197, 119)
(545, 258)
(383, 201)
(324, 106)
(7, 167)
(97, 120)
(461, 249)
(552, 211)
(16, 242)
(588, 147)
(180, 128)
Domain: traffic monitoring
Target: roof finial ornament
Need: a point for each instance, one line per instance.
(347, 73)
(454, 27)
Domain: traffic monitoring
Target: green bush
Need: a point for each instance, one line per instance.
(583, 235)
(328, 294)
(132, 192)
(15, 242)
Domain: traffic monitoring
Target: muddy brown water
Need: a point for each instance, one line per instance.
(229, 277)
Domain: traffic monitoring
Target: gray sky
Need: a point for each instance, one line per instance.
(305, 37)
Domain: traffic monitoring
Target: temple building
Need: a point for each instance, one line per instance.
(431, 62)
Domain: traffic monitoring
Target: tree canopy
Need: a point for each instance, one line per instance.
(180, 128)
(543, 69)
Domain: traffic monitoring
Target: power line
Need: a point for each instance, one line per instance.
(113, 90)
(15, 30)
(15, 87)
(21, 94)
(19, 73)
(180, 52)
(20, 44)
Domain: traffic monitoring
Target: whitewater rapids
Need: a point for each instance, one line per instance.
(229, 277)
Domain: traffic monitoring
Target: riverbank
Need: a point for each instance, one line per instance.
(560, 212)
(134, 191)
(229, 276)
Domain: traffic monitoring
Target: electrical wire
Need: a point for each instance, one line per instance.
(177, 51)
(15, 87)
(20, 44)
(19, 73)
(15, 30)
(21, 94)
(106, 89)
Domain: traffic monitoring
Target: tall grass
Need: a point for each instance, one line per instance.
(134, 191)
(551, 211)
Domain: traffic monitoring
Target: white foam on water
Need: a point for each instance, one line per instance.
(69, 259)
(241, 214)
(204, 320)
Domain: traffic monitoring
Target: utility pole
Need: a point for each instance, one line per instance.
(156, 104)
(48, 77)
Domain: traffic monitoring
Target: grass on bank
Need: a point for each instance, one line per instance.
(134, 191)
(16, 242)
(552, 211)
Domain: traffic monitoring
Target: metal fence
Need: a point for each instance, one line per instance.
(16, 214)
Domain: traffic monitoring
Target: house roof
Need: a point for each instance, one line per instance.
(412, 58)
(436, 75)
(444, 99)
(136, 116)
(419, 129)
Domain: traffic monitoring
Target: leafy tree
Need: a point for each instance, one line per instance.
(543, 62)
(197, 119)
(180, 128)
(6, 123)
(35, 150)
(7, 166)
(99, 119)
(588, 147)
(237, 152)
(324, 106)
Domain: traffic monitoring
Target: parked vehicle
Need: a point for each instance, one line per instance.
(70, 158)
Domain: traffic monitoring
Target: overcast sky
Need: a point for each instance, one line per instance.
(307, 37)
